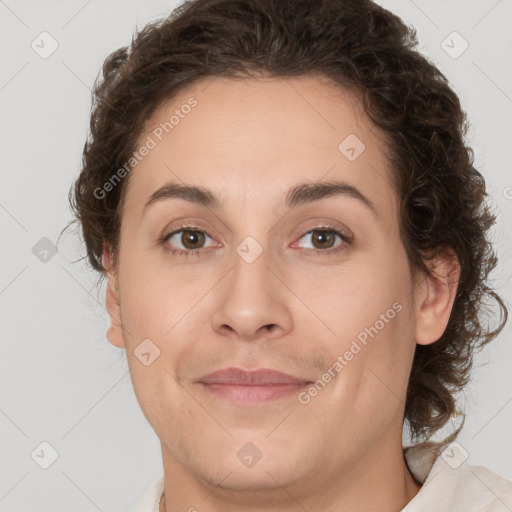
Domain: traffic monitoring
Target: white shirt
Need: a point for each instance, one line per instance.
(449, 484)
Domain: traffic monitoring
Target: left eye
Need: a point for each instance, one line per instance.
(324, 238)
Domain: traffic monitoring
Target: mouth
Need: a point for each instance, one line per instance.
(254, 387)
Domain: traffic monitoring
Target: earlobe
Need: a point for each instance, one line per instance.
(115, 331)
(436, 296)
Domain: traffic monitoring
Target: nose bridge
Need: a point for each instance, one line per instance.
(250, 268)
(253, 298)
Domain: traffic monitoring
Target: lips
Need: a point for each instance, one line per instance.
(251, 387)
(260, 377)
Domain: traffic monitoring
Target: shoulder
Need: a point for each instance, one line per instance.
(479, 485)
(450, 484)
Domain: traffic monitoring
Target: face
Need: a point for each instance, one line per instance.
(257, 273)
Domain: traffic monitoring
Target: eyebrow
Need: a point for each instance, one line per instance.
(303, 193)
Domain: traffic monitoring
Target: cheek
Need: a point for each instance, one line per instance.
(155, 316)
(368, 314)
(354, 298)
(154, 303)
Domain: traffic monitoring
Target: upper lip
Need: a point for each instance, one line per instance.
(259, 377)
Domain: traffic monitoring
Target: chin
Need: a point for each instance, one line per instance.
(265, 478)
(244, 465)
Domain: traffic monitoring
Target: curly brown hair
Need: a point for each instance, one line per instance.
(363, 48)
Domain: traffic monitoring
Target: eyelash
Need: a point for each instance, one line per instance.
(196, 252)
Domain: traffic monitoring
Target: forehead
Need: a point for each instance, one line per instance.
(247, 138)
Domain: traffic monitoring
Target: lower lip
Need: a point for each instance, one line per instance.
(252, 395)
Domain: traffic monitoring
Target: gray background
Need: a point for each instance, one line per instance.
(62, 382)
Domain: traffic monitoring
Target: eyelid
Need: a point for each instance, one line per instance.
(192, 224)
(323, 224)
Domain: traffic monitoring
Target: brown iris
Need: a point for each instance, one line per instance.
(325, 239)
(193, 238)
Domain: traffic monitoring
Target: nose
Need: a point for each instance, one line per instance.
(253, 302)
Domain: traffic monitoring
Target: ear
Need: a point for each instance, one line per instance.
(435, 296)
(115, 331)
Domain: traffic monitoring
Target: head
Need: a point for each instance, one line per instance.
(337, 231)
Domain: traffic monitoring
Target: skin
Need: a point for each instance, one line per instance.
(249, 141)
